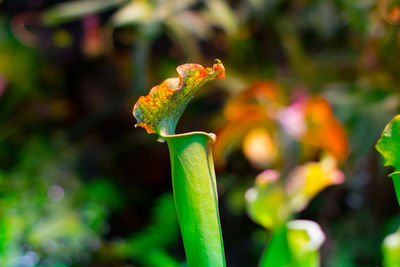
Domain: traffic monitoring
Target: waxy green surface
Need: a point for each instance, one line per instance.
(389, 146)
(196, 199)
(294, 244)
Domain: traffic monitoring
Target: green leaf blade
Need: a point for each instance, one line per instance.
(73, 10)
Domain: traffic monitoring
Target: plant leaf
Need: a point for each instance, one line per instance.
(307, 180)
(138, 12)
(73, 10)
(266, 201)
(391, 249)
(389, 143)
(389, 147)
(305, 239)
(160, 110)
(295, 243)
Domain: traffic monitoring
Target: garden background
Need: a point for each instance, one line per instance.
(81, 186)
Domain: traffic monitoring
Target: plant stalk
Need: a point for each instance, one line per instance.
(277, 250)
(196, 199)
(396, 183)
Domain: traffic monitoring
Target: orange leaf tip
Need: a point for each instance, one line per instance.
(160, 110)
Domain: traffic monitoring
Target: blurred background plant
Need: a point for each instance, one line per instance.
(76, 177)
(272, 204)
(390, 249)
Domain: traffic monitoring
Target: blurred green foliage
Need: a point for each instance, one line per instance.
(391, 249)
(295, 244)
(48, 214)
(149, 246)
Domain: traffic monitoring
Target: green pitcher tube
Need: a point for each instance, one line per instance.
(277, 251)
(196, 200)
(396, 183)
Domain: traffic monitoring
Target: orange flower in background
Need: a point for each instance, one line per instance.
(255, 117)
(259, 147)
(323, 129)
(232, 133)
(253, 108)
(261, 98)
(390, 11)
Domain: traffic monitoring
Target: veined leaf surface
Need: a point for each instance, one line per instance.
(160, 110)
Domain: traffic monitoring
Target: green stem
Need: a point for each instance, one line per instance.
(196, 200)
(277, 251)
(396, 183)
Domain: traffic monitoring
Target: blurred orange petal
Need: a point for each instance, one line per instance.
(255, 106)
(263, 96)
(390, 11)
(259, 147)
(230, 135)
(323, 130)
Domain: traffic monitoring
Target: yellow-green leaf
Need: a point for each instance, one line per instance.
(391, 250)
